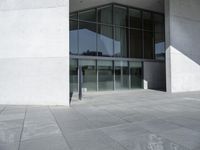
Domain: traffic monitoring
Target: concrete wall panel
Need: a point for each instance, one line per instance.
(34, 81)
(34, 52)
(33, 33)
(183, 48)
(185, 72)
(31, 4)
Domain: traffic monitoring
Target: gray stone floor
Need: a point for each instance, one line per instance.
(127, 120)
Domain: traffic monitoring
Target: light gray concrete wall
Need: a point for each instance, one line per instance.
(154, 75)
(183, 48)
(155, 5)
(34, 52)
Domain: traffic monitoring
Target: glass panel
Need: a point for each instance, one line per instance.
(87, 39)
(74, 16)
(135, 18)
(120, 16)
(159, 23)
(160, 46)
(73, 75)
(136, 74)
(121, 75)
(88, 15)
(105, 15)
(89, 75)
(105, 75)
(148, 45)
(135, 44)
(105, 41)
(73, 37)
(147, 21)
(121, 42)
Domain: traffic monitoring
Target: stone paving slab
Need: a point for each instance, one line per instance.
(54, 142)
(13, 146)
(93, 140)
(125, 120)
(183, 136)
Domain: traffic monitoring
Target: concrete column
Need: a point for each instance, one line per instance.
(183, 45)
(34, 52)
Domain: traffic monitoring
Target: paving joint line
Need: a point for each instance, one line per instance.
(99, 129)
(66, 141)
(3, 109)
(20, 140)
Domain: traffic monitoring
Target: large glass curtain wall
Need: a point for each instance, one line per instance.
(117, 31)
(106, 75)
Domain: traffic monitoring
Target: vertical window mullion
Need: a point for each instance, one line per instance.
(129, 34)
(78, 33)
(96, 32)
(113, 28)
(153, 40)
(143, 55)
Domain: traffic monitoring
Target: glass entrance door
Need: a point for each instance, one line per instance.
(89, 75)
(105, 75)
(121, 75)
(136, 74)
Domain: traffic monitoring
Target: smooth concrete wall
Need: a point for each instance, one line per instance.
(154, 75)
(183, 48)
(34, 52)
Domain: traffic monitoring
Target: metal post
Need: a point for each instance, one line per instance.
(80, 83)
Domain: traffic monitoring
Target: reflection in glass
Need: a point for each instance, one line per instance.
(114, 31)
(135, 44)
(74, 16)
(87, 39)
(89, 75)
(147, 21)
(73, 75)
(123, 32)
(105, 75)
(121, 42)
(73, 37)
(121, 75)
(120, 16)
(88, 15)
(160, 46)
(105, 15)
(105, 41)
(135, 18)
(136, 74)
(148, 45)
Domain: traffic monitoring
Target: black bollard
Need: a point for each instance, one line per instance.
(80, 83)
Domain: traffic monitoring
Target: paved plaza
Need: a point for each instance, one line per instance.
(129, 120)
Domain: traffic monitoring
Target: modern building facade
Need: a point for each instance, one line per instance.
(45, 45)
(111, 43)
